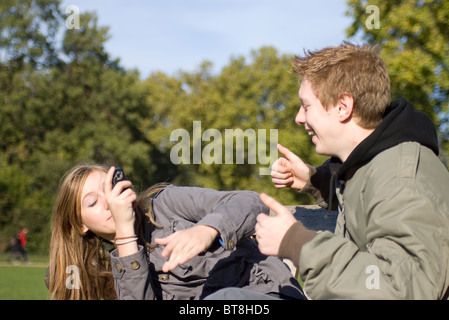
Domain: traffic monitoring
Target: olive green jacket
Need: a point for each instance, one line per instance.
(392, 234)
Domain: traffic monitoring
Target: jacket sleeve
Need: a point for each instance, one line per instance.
(232, 213)
(404, 258)
(132, 276)
(318, 185)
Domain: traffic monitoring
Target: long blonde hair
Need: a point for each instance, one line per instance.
(71, 249)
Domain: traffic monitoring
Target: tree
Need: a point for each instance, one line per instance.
(414, 41)
(27, 33)
(68, 104)
(247, 97)
(66, 100)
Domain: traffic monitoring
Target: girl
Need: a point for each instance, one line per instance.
(171, 242)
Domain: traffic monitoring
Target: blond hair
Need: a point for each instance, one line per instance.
(70, 246)
(352, 70)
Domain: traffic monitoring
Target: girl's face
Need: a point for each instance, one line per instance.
(95, 212)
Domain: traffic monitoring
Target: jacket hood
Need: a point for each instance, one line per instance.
(401, 123)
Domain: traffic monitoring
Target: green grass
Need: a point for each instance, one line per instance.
(22, 283)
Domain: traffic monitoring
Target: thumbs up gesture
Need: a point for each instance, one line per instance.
(270, 230)
(289, 171)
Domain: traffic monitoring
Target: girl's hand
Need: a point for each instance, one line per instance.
(120, 202)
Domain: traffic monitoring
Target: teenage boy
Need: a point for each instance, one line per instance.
(392, 192)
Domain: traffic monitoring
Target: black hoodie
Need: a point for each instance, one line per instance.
(401, 123)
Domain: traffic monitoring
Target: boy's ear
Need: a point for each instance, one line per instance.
(345, 107)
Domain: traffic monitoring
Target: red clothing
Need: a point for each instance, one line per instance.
(23, 239)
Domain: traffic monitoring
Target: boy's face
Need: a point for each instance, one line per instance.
(322, 125)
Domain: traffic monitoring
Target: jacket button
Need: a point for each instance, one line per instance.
(135, 265)
(163, 277)
(119, 267)
(231, 244)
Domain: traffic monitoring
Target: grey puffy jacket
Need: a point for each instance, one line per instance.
(233, 261)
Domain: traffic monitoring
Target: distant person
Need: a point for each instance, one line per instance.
(171, 242)
(14, 250)
(22, 237)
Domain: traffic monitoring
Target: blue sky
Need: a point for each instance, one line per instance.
(173, 35)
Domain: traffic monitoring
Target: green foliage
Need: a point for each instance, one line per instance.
(67, 101)
(80, 107)
(258, 93)
(414, 41)
(28, 29)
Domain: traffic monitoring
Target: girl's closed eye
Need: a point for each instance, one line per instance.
(92, 204)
